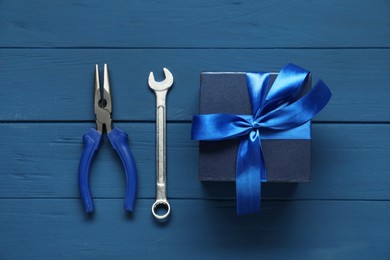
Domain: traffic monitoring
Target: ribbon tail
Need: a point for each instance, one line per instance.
(250, 170)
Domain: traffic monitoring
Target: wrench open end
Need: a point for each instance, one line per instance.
(161, 209)
(161, 85)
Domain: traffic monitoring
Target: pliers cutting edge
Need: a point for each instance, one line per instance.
(118, 140)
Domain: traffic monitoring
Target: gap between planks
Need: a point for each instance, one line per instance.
(196, 199)
(188, 48)
(173, 122)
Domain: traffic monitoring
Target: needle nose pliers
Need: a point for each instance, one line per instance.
(118, 140)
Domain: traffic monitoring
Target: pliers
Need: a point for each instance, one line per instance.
(118, 140)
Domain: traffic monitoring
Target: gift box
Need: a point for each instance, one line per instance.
(286, 160)
(256, 127)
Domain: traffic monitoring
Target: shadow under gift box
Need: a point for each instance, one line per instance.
(286, 160)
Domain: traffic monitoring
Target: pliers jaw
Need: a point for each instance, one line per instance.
(102, 103)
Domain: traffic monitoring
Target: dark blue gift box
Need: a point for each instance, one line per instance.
(272, 122)
(286, 160)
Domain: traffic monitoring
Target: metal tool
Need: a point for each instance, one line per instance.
(161, 89)
(118, 140)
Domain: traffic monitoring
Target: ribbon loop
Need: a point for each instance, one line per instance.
(273, 111)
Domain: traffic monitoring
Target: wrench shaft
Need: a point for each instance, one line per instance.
(161, 151)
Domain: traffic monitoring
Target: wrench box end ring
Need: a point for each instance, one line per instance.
(165, 205)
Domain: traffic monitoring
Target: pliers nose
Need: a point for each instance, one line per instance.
(118, 140)
(102, 103)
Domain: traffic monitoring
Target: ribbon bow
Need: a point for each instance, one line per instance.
(277, 112)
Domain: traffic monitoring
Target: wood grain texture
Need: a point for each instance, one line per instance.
(58, 84)
(350, 161)
(198, 229)
(47, 53)
(200, 23)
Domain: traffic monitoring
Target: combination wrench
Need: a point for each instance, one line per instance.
(161, 89)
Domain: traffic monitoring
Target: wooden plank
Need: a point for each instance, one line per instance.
(58, 229)
(200, 23)
(350, 161)
(58, 84)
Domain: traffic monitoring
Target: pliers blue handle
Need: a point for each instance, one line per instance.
(118, 140)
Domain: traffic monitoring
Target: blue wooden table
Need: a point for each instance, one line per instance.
(47, 54)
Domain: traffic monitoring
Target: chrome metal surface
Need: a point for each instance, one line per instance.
(161, 89)
(102, 104)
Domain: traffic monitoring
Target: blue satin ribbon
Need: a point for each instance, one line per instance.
(276, 114)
